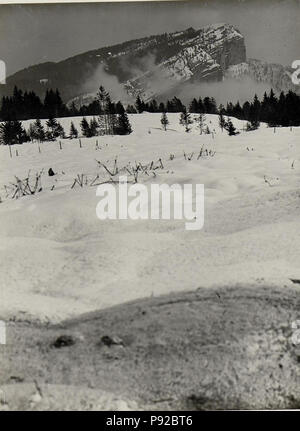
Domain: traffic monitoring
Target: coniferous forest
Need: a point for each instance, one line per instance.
(111, 118)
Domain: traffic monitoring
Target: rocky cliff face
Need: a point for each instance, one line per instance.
(204, 56)
(275, 75)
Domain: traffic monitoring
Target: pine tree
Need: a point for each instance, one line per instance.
(164, 121)
(255, 109)
(53, 104)
(12, 132)
(59, 131)
(107, 118)
(246, 110)
(175, 105)
(40, 131)
(229, 108)
(73, 112)
(51, 123)
(208, 104)
(252, 125)
(273, 112)
(185, 119)
(103, 100)
(194, 106)
(85, 128)
(31, 132)
(124, 126)
(153, 106)
(94, 126)
(222, 120)
(161, 107)
(130, 109)
(6, 132)
(73, 131)
(18, 103)
(285, 119)
(213, 106)
(36, 131)
(230, 128)
(59, 106)
(24, 137)
(201, 122)
(55, 129)
(119, 108)
(140, 105)
(49, 103)
(237, 111)
(201, 109)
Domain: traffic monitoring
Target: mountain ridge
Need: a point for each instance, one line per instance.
(152, 66)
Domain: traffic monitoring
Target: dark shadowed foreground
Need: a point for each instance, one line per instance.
(210, 349)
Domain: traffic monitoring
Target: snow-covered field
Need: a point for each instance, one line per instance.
(59, 260)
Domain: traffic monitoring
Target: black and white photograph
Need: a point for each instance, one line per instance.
(150, 207)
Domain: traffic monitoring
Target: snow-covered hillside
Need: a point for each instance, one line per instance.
(58, 259)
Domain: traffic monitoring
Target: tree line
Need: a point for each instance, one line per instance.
(112, 120)
(26, 106)
(275, 111)
(283, 110)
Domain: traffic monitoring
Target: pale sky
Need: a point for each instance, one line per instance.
(31, 34)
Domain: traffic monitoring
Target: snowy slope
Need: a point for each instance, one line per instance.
(58, 260)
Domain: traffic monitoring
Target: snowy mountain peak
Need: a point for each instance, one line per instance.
(152, 66)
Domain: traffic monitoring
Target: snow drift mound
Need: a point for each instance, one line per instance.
(226, 348)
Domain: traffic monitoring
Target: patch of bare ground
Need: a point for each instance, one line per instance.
(226, 348)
